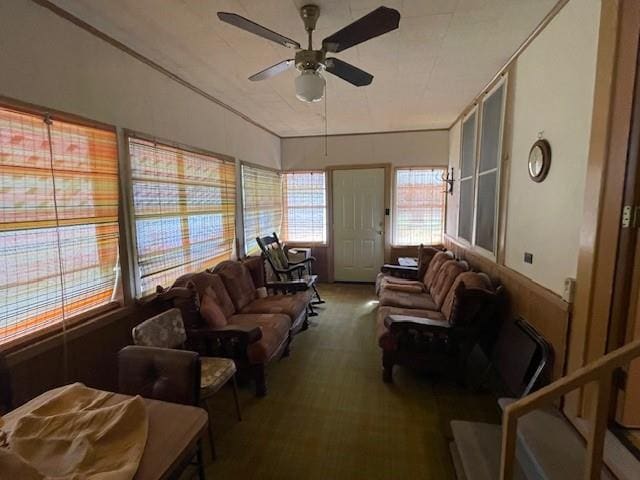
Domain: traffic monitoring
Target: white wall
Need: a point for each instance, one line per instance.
(49, 61)
(553, 93)
(554, 89)
(425, 148)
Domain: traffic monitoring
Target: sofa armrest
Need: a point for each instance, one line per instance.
(243, 333)
(396, 323)
(410, 273)
(159, 373)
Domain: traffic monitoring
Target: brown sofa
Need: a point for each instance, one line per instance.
(250, 327)
(422, 322)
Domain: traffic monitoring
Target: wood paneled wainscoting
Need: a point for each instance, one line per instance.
(542, 308)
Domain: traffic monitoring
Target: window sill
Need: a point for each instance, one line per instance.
(29, 346)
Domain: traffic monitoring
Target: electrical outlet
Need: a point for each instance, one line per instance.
(528, 257)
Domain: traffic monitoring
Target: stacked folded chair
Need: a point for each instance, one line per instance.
(426, 322)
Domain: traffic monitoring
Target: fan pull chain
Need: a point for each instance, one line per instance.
(325, 120)
(65, 351)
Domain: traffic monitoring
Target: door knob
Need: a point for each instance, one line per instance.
(380, 232)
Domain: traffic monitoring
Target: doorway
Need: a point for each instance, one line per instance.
(358, 224)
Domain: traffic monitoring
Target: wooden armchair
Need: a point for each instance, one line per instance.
(469, 317)
(286, 270)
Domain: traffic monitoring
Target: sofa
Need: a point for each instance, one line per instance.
(227, 312)
(423, 323)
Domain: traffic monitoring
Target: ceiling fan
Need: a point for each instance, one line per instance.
(310, 83)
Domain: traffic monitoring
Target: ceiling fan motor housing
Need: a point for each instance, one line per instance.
(310, 59)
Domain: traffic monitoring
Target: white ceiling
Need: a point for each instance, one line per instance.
(425, 72)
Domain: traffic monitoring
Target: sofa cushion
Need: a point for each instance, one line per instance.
(291, 305)
(384, 281)
(407, 288)
(256, 268)
(385, 340)
(434, 267)
(449, 271)
(211, 312)
(238, 282)
(468, 294)
(394, 298)
(211, 284)
(275, 331)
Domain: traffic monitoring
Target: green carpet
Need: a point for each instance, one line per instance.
(328, 415)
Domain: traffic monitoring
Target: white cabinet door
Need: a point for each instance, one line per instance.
(358, 224)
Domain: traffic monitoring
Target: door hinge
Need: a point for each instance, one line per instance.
(620, 378)
(631, 216)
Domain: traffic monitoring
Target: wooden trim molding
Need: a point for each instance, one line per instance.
(542, 308)
(605, 179)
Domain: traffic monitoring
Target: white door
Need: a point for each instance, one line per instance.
(358, 224)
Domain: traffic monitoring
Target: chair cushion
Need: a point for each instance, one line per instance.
(444, 280)
(291, 305)
(211, 284)
(275, 331)
(164, 330)
(384, 340)
(434, 267)
(238, 282)
(214, 373)
(211, 312)
(255, 265)
(394, 298)
(469, 292)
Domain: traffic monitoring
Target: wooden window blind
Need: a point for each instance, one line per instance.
(261, 204)
(184, 210)
(304, 198)
(58, 222)
(419, 206)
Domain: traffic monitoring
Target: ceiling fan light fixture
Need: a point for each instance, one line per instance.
(310, 86)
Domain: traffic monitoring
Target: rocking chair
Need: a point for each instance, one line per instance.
(287, 271)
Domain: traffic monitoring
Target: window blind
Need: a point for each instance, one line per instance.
(304, 200)
(261, 205)
(58, 221)
(184, 210)
(419, 206)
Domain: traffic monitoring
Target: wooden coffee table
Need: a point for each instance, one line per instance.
(174, 432)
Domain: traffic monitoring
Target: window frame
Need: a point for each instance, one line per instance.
(394, 206)
(134, 277)
(240, 206)
(112, 308)
(478, 109)
(326, 207)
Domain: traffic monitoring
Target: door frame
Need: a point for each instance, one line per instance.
(386, 240)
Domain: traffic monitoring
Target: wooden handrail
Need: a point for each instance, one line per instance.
(601, 373)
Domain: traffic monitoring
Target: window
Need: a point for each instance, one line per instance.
(184, 210)
(304, 199)
(488, 169)
(467, 177)
(261, 204)
(419, 204)
(58, 222)
(480, 172)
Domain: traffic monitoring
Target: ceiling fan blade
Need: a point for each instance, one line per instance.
(273, 70)
(348, 72)
(378, 22)
(253, 27)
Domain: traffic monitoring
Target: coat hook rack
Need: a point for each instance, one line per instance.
(448, 179)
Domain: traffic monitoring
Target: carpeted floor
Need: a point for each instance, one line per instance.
(328, 415)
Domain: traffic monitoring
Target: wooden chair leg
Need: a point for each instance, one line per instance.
(200, 460)
(319, 300)
(205, 405)
(235, 397)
